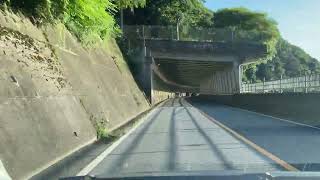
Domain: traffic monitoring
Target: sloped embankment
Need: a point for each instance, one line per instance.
(53, 92)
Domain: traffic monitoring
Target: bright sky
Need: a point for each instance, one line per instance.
(299, 20)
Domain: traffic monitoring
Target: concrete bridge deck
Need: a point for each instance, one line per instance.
(198, 66)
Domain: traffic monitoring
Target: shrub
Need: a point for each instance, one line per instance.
(102, 131)
(42, 10)
(89, 20)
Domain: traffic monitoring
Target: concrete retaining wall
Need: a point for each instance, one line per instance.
(299, 107)
(53, 92)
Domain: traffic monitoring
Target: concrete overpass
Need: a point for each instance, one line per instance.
(199, 66)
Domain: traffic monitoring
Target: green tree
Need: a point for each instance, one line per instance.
(250, 73)
(187, 12)
(41, 10)
(279, 70)
(90, 20)
(289, 61)
(264, 71)
(246, 24)
(124, 4)
(171, 12)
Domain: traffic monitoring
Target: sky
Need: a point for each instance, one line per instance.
(298, 20)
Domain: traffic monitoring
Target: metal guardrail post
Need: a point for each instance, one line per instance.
(255, 87)
(172, 34)
(319, 79)
(281, 84)
(305, 84)
(178, 32)
(294, 85)
(264, 80)
(143, 34)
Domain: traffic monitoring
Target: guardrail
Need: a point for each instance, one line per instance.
(187, 33)
(307, 83)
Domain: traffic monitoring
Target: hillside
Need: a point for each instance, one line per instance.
(289, 61)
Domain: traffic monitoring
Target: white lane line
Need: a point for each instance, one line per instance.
(280, 119)
(3, 173)
(85, 171)
(266, 153)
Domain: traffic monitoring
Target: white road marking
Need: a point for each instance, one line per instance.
(266, 153)
(85, 171)
(280, 119)
(3, 173)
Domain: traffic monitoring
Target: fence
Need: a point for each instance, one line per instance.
(187, 33)
(308, 83)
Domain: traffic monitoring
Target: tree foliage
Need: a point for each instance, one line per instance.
(185, 12)
(123, 4)
(41, 9)
(254, 26)
(171, 12)
(290, 61)
(89, 20)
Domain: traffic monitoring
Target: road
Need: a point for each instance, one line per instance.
(296, 144)
(176, 137)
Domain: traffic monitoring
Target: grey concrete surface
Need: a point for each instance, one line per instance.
(178, 138)
(296, 144)
(54, 91)
(298, 107)
(190, 65)
(72, 164)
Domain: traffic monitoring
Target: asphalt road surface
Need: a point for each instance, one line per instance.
(296, 144)
(176, 137)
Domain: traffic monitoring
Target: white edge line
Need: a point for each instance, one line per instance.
(246, 141)
(277, 118)
(3, 172)
(269, 116)
(86, 170)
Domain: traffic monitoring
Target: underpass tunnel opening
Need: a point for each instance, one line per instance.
(185, 77)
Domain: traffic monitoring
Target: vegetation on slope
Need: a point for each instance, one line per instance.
(89, 20)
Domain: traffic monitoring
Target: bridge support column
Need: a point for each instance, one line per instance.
(238, 77)
(222, 82)
(147, 78)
